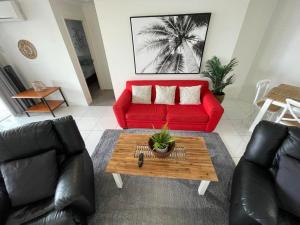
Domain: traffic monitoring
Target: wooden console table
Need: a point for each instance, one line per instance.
(44, 105)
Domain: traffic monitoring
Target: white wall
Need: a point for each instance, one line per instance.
(97, 47)
(63, 10)
(253, 30)
(278, 57)
(53, 65)
(225, 24)
(2, 59)
(87, 14)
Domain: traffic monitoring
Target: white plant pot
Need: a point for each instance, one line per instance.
(162, 150)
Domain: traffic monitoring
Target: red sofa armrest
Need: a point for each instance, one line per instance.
(121, 107)
(214, 110)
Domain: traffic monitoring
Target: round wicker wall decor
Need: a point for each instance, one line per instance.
(27, 49)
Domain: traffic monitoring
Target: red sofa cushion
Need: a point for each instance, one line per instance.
(186, 114)
(178, 83)
(146, 112)
(203, 117)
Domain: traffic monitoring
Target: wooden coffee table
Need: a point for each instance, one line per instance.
(190, 160)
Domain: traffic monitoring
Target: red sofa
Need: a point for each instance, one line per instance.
(203, 117)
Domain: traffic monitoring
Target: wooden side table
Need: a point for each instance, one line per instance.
(44, 105)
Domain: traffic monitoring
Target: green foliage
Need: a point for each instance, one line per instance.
(218, 73)
(162, 139)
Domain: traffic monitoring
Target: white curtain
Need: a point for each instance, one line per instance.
(10, 85)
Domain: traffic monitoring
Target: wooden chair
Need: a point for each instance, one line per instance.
(291, 114)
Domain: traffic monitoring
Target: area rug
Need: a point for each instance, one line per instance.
(159, 201)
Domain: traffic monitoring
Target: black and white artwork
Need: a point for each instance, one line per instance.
(170, 44)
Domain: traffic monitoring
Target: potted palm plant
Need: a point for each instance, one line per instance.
(162, 143)
(219, 75)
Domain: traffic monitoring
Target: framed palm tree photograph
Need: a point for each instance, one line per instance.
(169, 44)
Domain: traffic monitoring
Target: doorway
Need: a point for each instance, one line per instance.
(79, 41)
(79, 26)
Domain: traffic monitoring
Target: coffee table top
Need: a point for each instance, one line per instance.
(195, 165)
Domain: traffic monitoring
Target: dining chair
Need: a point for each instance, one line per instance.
(291, 114)
(262, 88)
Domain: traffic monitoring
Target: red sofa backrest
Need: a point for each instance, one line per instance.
(178, 83)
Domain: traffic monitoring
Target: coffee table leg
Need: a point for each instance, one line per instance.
(203, 186)
(118, 180)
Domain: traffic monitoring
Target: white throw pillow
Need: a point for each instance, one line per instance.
(141, 94)
(165, 95)
(190, 95)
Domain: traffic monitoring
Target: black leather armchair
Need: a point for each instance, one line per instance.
(73, 198)
(254, 200)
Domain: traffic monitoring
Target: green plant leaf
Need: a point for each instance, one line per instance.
(163, 138)
(218, 73)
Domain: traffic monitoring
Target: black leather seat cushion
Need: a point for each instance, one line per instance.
(28, 140)
(288, 184)
(253, 196)
(4, 201)
(266, 136)
(266, 185)
(285, 218)
(57, 184)
(30, 179)
(24, 214)
(62, 217)
(290, 146)
(69, 135)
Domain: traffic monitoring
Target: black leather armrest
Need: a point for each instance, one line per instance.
(253, 198)
(4, 202)
(264, 143)
(75, 186)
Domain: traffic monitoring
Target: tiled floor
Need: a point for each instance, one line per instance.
(100, 97)
(103, 98)
(234, 125)
(93, 120)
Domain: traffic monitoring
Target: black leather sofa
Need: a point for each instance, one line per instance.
(46, 175)
(266, 181)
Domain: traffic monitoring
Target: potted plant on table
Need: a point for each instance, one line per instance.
(219, 75)
(162, 143)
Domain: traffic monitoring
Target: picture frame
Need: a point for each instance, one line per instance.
(169, 44)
